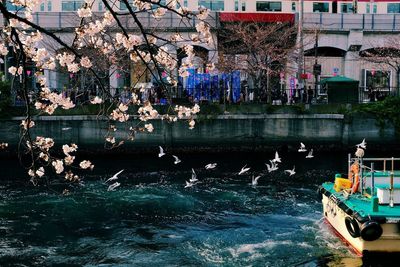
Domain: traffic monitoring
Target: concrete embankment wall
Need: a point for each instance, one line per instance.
(225, 131)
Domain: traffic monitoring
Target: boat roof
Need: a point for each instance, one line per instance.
(362, 204)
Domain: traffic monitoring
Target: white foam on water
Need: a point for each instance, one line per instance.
(207, 252)
(251, 248)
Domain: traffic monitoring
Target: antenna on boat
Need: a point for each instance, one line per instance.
(374, 199)
(391, 204)
(372, 179)
(349, 165)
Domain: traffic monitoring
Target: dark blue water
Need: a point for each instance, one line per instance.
(152, 220)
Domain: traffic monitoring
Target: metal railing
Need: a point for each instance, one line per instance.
(322, 21)
(344, 21)
(69, 20)
(369, 95)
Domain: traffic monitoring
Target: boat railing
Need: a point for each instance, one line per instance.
(373, 170)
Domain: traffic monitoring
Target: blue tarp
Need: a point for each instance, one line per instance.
(203, 86)
(236, 86)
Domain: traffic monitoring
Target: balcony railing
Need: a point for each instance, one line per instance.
(69, 20)
(343, 21)
(171, 21)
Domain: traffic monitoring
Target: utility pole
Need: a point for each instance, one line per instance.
(300, 62)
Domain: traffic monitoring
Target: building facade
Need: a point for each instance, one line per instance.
(340, 30)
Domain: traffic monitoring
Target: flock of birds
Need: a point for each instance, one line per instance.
(272, 166)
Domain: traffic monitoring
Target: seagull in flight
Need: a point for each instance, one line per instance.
(254, 180)
(272, 167)
(194, 177)
(189, 184)
(302, 148)
(277, 158)
(211, 166)
(161, 152)
(177, 160)
(244, 169)
(113, 186)
(310, 154)
(291, 172)
(362, 145)
(114, 177)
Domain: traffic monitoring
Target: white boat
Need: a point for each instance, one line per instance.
(364, 207)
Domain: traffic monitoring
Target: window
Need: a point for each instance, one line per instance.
(71, 5)
(377, 79)
(236, 5)
(268, 6)
(294, 6)
(122, 6)
(49, 7)
(243, 6)
(320, 7)
(42, 7)
(100, 6)
(393, 8)
(11, 7)
(185, 3)
(369, 8)
(346, 8)
(154, 6)
(215, 5)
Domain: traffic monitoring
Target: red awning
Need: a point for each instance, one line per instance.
(256, 17)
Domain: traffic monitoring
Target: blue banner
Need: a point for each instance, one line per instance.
(236, 86)
(206, 87)
(203, 86)
(215, 88)
(190, 85)
(197, 91)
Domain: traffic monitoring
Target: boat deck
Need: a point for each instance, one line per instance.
(362, 204)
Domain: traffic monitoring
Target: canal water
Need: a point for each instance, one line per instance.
(152, 220)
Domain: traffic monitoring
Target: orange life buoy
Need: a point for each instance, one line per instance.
(354, 177)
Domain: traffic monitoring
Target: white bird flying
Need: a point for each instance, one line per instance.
(211, 166)
(310, 154)
(114, 177)
(272, 167)
(189, 184)
(254, 180)
(194, 177)
(113, 186)
(161, 152)
(177, 160)
(291, 172)
(66, 128)
(243, 170)
(277, 158)
(302, 148)
(363, 144)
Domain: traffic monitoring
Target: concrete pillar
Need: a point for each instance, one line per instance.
(352, 66)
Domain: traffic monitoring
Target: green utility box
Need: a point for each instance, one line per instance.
(341, 89)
